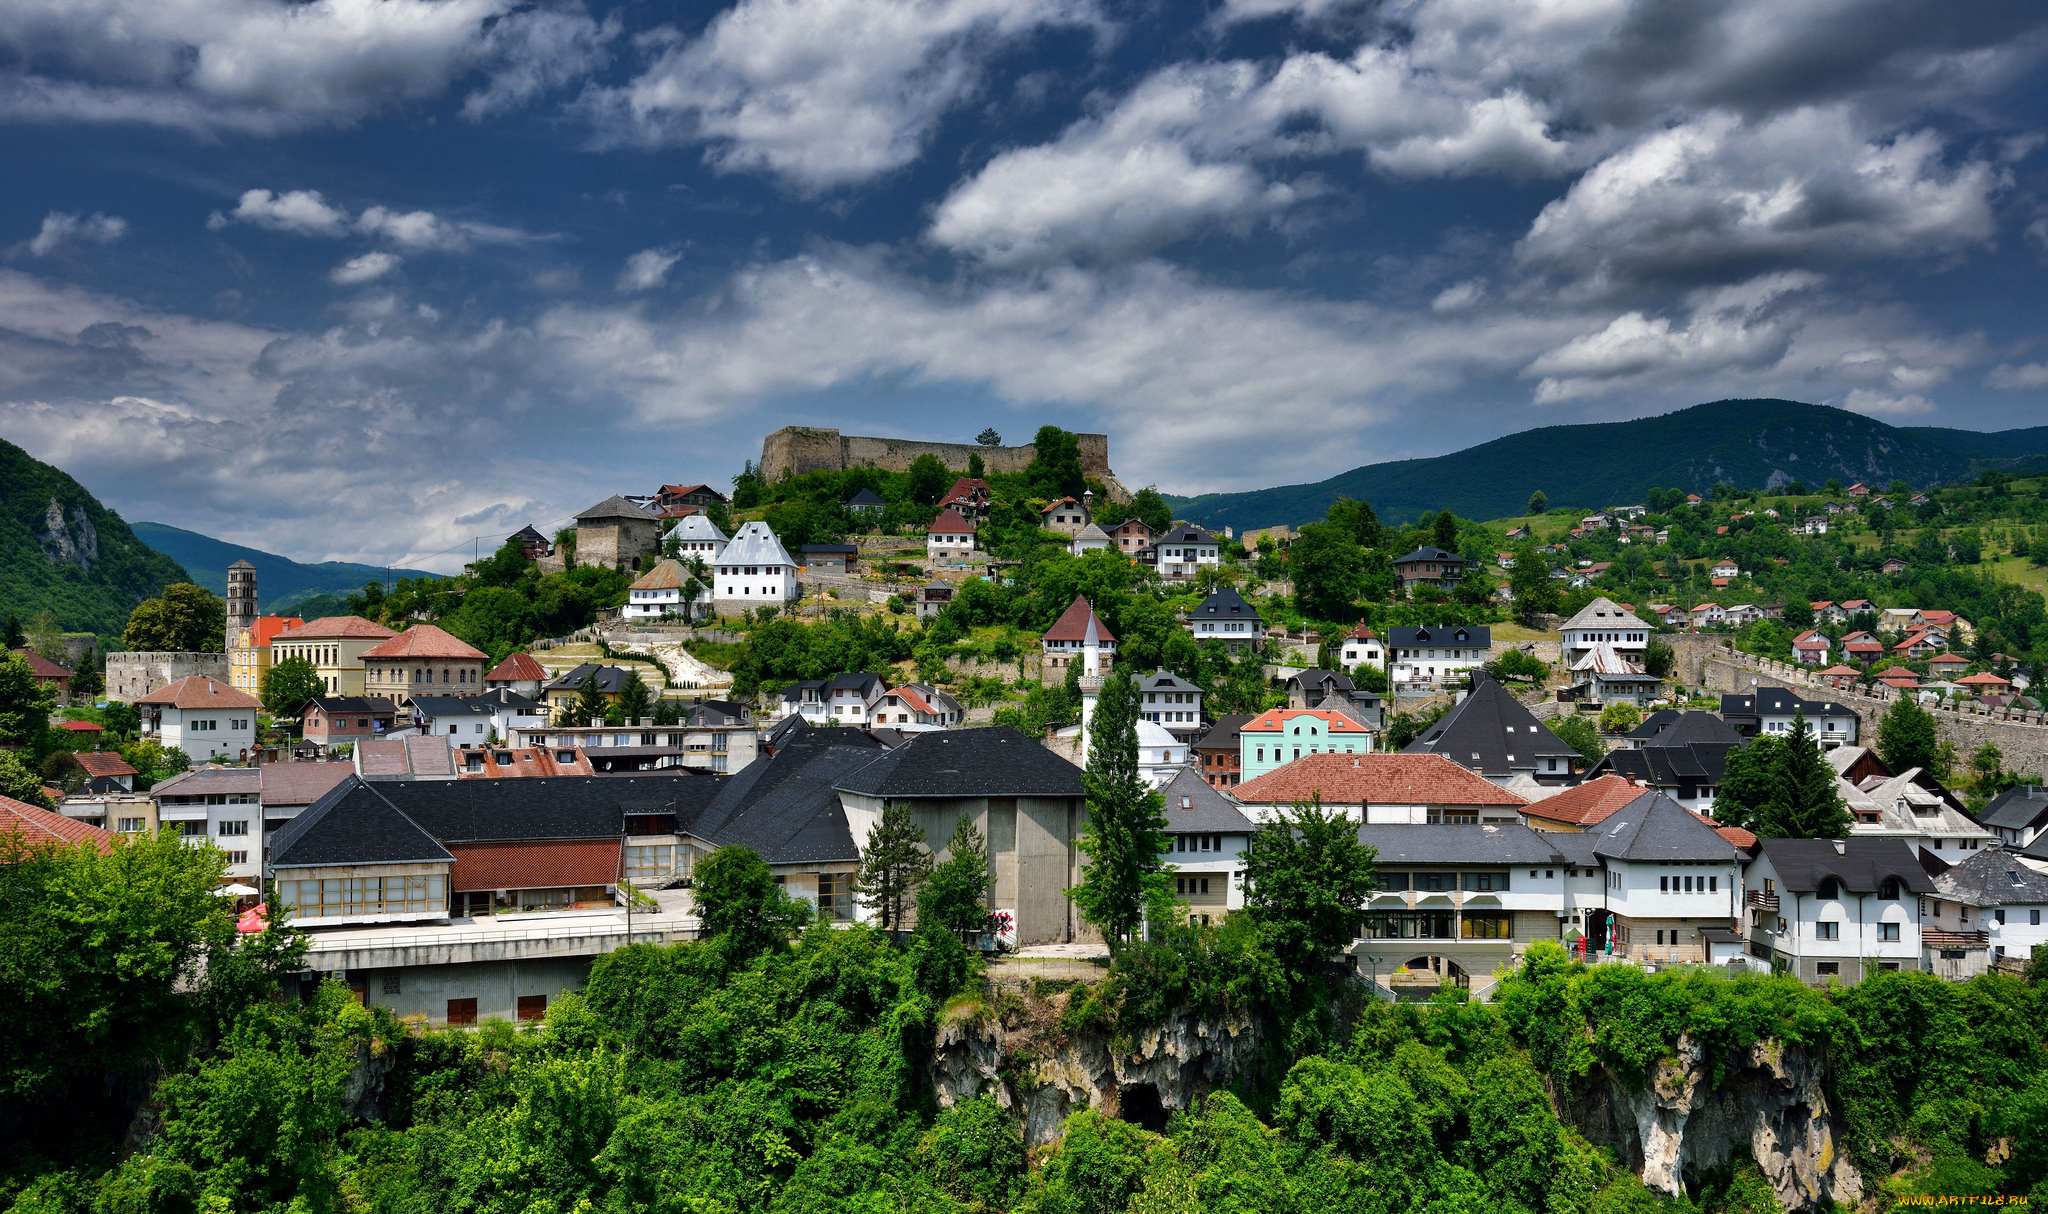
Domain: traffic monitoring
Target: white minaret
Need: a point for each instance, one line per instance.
(1091, 680)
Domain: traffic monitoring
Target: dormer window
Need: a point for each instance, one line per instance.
(1830, 889)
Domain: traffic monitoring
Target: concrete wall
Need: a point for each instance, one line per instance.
(795, 450)
(2023, 737)
(1030, 846)
(424, 990)
(134, 674)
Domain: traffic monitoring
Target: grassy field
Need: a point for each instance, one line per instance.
(2020, 569)
(1518, 634)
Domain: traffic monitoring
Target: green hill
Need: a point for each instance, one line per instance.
(1998, 444)
(280, 581)
(1760, 443)
(61, 551)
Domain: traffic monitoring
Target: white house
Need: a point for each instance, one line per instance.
(1605, 622)
(1209, 834)
(1770, 710)
(1225, 616)
(1362, 648)
(659, 592)
(1183, 550)
(1165, 698)
(849, 699)
(950, 537)
(1433, 654)
(218, 806)
(464, 722)
(1707, 613)
(697, 535)
(1824, 909)
(2019, 815)
(509, 711)
(1987, 907)
(1669, 875)
(755, 570)
(202, 716)
(1725, 568)
(1090, 538)
(1810, 648)
(915, 706)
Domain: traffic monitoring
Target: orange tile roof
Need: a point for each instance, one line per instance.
(1588, 803)
(1073, 623)
(1378, 779)
(269, 626)
(1983, 678)
(80, 726)
(1734, 834)
(103, 763)
(1851, 671)
(1361, 633)
(1273, 720)
(336, 628)
(516, 668)
(200, 691)
(526, 761)
(34, 826)
(425, 641)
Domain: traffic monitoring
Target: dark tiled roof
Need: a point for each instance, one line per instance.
(337, 705)
(1491, 733)
(866, 497)
(613, 507)
(1441, 636)
(1992, 876)
(1670, 727)
(450, 706)
(501, 698)
(1861, 866)
(997, 762)
(1459, 844)
(1322, 680)
(1186, 534)
(1192, 806)
(1655, 827)
(543, 807)
(1223, 603)
(1427, 553)
(610, 679)
(1667, 766)
(2016, 807)
(1577, 846)
(353, 824)
(1165, 680)
(1223, 734)
(1778, 702)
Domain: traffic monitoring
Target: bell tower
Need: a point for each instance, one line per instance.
(241, 602)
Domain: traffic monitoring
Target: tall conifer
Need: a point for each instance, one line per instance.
(1125, 835)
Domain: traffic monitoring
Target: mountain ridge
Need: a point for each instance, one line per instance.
(280, 580)
(1753, 442)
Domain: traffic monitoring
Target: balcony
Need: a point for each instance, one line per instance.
(1762, 900)
(1933, 937)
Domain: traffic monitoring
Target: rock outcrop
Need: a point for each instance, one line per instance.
(1682, 1122)
(1045, 1076)
(72, 543)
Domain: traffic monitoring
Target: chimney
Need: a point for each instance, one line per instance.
(1841, 847)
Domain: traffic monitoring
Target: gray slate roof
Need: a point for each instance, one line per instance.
(755, 544)
(1671, 727)
(1223, 603)
(1192, 807)
(543, 807)
(610, 679)
(1493, 725)
(1165, 680)
(997, 761)
(1667, 766)
(1778, 702)
(1223, 734)
(1461, 844)
(613, 507)
(450, 706)
(1861, 866)
(1430, 553)
(1655, 827)
(355, 824)
(1992, 876)
(2016, 807)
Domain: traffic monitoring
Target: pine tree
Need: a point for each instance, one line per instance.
(590, 700)
(635, 700)
(1806, 798)
(1445, 533)
(1906, 737)
(894, 863)
(1125, 836)
(1744, 794)
(15, 637)
(955, 896)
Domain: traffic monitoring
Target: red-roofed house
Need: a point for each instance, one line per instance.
(1984, 681)
(1071, 637)
(1947, 665)
(31, 826)
(1066, 516)
(970, 495)
(1279, 736)
(1862, 647)
(519, 673)
(48, 673)
(1894, 566)
(949, 538)
(1381, 788)
(1840, 677)
(1810, 648)
(1900, 678)
(204, 717)
(106, 765)
(83, 732)
(1919, 645)
(423, 660)
(1575, 809)
(1859, 489)
(1362, 647)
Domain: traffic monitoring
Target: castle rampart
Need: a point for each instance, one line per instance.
(795, 450)
(132, 674)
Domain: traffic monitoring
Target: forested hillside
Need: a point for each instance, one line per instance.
(61, 551)
(1746, 443)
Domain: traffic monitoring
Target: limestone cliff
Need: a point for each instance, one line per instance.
(1681, 1122)
(1044, 1076)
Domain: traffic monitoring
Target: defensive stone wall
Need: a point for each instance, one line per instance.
(795, 450)
(2022, 736)
(134, 674)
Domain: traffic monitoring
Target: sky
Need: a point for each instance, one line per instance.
(384, 280)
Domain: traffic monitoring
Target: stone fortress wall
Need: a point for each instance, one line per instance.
(133, 674)
(795, 450)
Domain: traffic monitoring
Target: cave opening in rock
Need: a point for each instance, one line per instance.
(1138, 1103)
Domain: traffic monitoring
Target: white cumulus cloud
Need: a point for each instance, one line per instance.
(821, 93)
(1880, 404)
(368, 268)
(61, 228)
(2017, 378)
(307, 213)
(647, 269)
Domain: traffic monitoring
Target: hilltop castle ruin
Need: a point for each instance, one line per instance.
(795, 450)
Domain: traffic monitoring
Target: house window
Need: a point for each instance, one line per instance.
(1486, 926)
(240, 827)
(129, 826)
(1889, 890)
(1888, 931)
(1830, 889)
(1828, 969)
(1827, 929)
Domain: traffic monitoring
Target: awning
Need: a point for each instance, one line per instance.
(236, 890)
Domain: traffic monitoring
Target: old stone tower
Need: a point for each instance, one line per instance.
(241, 602)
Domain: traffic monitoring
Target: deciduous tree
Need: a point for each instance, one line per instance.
(736, 898)
(288, 685)
(1328, 568)
(1906, 736)
(1539, 502)
(185, 618)
(25, 704)
(1307, 878)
